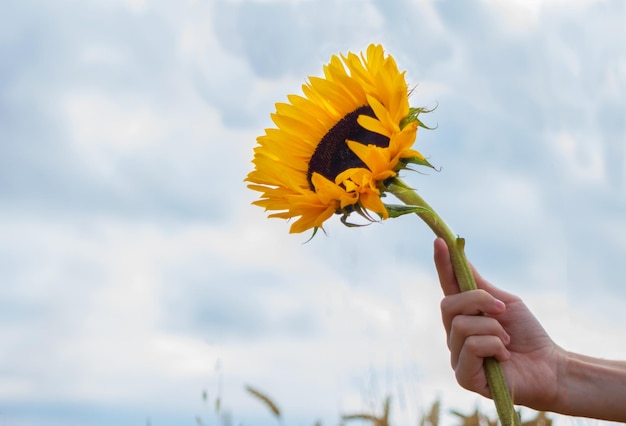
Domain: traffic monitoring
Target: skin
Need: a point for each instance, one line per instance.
(541, 374)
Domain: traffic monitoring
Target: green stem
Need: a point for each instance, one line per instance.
(465, 278)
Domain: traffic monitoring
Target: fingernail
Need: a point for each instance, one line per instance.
(500, 305)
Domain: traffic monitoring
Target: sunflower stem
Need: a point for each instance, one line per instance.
(493, 370)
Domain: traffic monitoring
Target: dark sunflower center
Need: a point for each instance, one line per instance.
(333, 156)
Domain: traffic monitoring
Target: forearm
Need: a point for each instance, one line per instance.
(600, 361)
(591, 387)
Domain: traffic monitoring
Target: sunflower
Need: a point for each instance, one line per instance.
(338, 148)
(335, 146)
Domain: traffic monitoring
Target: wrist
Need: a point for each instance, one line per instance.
(590, 387)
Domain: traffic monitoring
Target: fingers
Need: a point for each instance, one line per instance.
(463, 324)
(473, 337)
(447, 279)
(470, 332)
(445, 270)
(472, 303)
(469, 369)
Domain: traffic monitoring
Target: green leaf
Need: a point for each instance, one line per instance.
(397, 210)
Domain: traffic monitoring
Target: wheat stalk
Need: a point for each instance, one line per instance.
(265, 399)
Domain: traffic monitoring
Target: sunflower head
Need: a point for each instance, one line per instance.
(335, 146)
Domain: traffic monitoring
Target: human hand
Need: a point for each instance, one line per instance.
(507, 330)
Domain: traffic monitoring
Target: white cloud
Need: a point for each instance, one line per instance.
(98, 121)
(579, 159)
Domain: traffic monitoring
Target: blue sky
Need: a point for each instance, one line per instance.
(135, 273)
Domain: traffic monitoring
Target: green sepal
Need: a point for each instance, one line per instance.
(396, 182)
(317, 228)
(417, 160)
(397, 210)
(358, 209)
(344, 220)
(413, 117)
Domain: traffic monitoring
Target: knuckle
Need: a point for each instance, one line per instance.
(445, 304)
(461, 325)
(483, 296)
(474, 344)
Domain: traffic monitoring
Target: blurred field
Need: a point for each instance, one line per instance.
(382, 418)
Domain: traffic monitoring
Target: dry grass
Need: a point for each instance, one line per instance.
(265, 400)
(431, 418)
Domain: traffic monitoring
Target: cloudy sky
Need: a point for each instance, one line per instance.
(135, 275)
